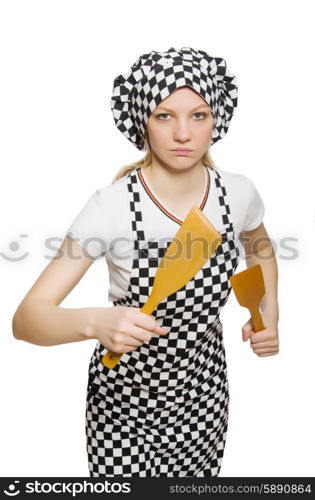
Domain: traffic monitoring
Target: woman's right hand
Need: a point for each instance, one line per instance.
(122, 329)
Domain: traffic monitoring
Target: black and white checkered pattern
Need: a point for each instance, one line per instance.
(155, 75)
(163, 409)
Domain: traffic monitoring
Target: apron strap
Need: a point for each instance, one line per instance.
(222, 197)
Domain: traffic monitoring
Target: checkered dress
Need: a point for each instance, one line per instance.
(163, 409)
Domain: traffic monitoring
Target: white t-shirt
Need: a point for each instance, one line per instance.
(103, 226)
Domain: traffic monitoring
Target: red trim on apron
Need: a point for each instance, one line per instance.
(162, 207)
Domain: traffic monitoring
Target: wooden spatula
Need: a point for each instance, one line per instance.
(249, 289)
(194, 243)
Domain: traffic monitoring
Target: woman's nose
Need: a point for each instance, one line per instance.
(181, 131)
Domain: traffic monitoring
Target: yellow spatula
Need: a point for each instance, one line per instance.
(194, 243)
(249, 289)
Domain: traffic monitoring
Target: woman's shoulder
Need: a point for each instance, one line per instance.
(233, 177)
(112, 193)
(247, 206)
(237, 183)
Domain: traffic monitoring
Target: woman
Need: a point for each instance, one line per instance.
(163, 409)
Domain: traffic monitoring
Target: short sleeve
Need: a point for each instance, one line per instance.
(255, 208)
(87, 229)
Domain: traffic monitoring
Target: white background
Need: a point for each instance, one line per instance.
(58, 144)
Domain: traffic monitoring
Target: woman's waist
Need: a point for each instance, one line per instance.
(163, 372)
(180, 387)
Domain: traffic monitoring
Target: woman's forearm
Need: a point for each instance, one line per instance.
(265, 256)
(42, 323)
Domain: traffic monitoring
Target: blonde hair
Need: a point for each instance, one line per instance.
(146, 160)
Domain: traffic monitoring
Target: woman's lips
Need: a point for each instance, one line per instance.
(182, 152)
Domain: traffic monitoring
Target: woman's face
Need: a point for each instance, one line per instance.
(181, 120)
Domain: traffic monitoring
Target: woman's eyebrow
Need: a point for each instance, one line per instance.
(194, 109)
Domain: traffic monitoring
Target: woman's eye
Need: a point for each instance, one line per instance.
(167, 114)
(162, 114)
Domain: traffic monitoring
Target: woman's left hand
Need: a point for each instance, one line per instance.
(265, 342)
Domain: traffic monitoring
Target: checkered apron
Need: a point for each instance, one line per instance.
(163, 409)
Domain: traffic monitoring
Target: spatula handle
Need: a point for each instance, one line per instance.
(256, 319)
(110, 359)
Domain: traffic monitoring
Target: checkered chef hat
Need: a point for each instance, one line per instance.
(156, 74)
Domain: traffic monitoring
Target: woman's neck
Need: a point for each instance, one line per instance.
(177, 183)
